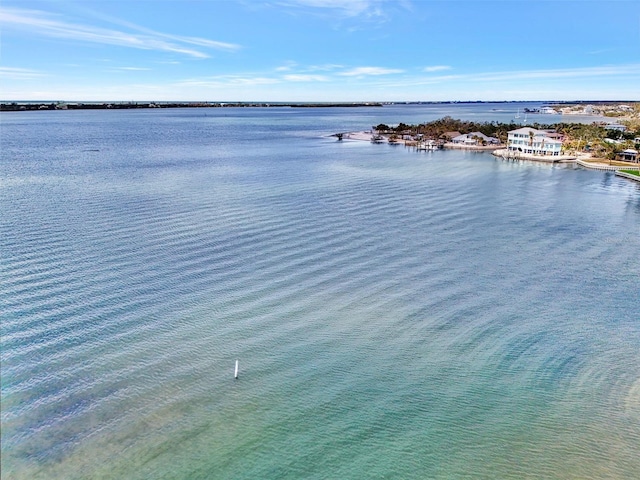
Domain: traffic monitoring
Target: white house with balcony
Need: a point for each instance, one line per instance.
(533, 142)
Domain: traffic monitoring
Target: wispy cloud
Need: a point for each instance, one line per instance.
(287, 67)
(436, 68)
(288, 74)
(291, 66)
(367, 71)
(604, 70)
(43, 23)
(350, 8)
(131, 69)
(19, 73)
(305, 78)
(600, 51)
(523, 75)
(324, 68)
(227, 81)
(376, 10)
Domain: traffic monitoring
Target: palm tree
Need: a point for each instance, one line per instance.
(531, 135)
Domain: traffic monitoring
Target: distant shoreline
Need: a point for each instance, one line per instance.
(31, 106)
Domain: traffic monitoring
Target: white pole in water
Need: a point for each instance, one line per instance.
(236, 374)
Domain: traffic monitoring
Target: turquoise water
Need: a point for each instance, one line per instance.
(395, 314)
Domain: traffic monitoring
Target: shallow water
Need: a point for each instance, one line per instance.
(395, 314)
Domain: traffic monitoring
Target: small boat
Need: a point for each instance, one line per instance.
(377, 139)
(428, 145)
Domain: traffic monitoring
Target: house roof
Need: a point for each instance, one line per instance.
(548, 138)
(461, 138)
(451, 134)
(473, 135)
(527, 130)
(557, 136)
(478, 134)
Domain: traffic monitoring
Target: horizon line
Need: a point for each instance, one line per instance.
(298, 102)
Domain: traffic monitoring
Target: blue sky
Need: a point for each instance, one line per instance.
(319, 50)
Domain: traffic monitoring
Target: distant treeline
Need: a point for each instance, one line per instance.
(24, 106)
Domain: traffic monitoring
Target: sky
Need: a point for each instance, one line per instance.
(319, 50)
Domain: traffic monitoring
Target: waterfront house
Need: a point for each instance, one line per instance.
(450, 135)
(554, 135)
(474, 138)
(533, 142)
(628, 155)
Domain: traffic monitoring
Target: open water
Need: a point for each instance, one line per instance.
(395, 314)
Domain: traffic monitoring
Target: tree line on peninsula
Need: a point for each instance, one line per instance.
(577, 136)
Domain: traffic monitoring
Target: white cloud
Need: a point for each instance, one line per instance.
(361, 9)
(132, 69)
(43, 23)
(305, 78)
(366, 71)
(600, 51)
(324, 68)
(522, 75)
(13, 73)
(227, 81)
(291, 65)
(349, 8)
(436, 68)
(288, 66)
(605, 70)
